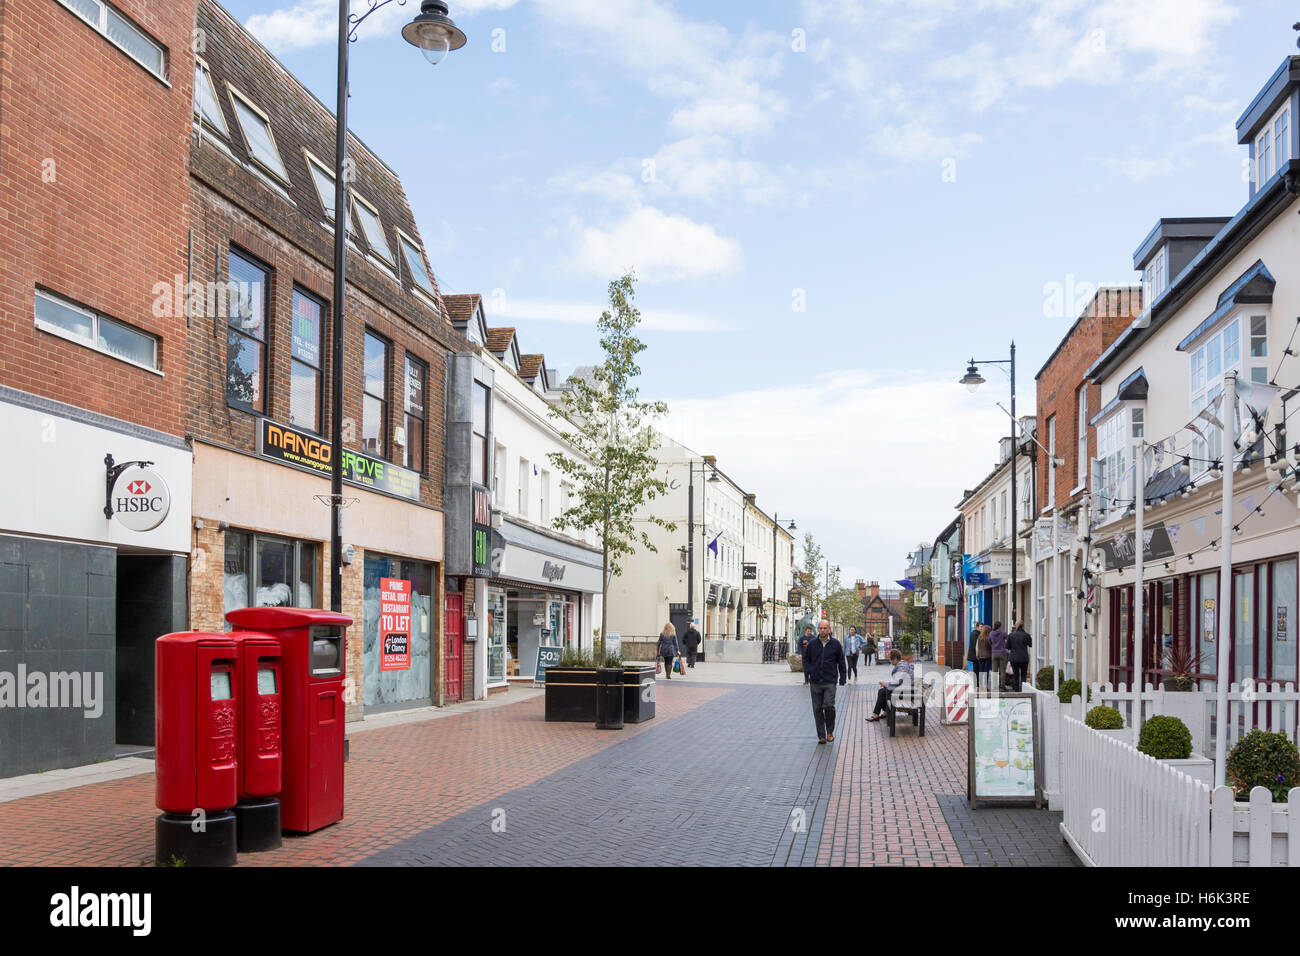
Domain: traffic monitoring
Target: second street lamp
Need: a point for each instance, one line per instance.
(973, 380)
(435, 35)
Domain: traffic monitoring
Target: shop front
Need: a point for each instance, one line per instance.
(261, 540)
(545, 593)
(94, 533)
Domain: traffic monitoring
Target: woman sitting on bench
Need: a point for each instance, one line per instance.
(902, 672)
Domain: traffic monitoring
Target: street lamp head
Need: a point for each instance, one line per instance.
(792, 527)
(972, 379)
(433, 32)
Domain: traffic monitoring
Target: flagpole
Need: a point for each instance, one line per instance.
(1225, 635)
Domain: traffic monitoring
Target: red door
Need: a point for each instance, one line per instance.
(455, 624)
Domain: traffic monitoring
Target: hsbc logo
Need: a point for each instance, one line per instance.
(140, 498)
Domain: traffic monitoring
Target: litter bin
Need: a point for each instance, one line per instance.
(609, 698)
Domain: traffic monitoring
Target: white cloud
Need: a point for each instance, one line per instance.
(509, 308)
(658, 246)
(915, 142)
(867, 502)
(310, 23)
(503, 84)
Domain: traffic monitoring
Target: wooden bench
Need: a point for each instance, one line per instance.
(910, 699)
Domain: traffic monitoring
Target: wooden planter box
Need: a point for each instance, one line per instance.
(1197, 766)
(638, 693)
(571, 694)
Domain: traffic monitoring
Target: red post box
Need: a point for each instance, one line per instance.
(195, 712)
(312, 645)
(258, 677)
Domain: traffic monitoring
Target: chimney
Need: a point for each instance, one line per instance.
(861, 587)
(875, 589)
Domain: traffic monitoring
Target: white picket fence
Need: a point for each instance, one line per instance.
(1123, 808)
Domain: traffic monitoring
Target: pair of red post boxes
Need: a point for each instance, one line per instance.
(249, 733)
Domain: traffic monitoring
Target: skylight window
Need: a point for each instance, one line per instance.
(415, 262)
(257, 134)
(206, 107)
(374, 230)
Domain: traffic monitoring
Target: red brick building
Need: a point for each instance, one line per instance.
(1067, 402)
(262, 198)
(95, 104)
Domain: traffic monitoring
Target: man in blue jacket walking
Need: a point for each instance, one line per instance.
(823, 668)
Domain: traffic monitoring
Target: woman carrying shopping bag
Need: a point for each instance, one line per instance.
(668, 649)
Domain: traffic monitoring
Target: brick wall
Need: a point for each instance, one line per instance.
(1110, 312)
(94, 194)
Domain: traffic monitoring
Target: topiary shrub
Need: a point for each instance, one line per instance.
(1165, 738)
(1045, 679)
(1102, 717)
(1069, 690)
(1263, 759)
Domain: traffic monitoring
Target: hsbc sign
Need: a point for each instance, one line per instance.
(140, 499)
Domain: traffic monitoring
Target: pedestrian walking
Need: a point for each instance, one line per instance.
(1018, 644)
(668, 649)
(972, 652)
(902, 673)
(691, 641)
(998, 649)
(983, 657)
(803, 645)
(871, 647)
(823, 668)
(852, 645)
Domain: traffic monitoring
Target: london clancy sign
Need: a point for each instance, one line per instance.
(135, 494)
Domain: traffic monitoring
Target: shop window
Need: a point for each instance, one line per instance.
(266, 571)
(496, 636)
(304, 365)
(1282, 620)
(410, 679)
(374, 415)
(246, 334)
(417, 374)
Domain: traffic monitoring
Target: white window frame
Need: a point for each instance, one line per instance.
(375, 253)
(1113, 459)
(498, 476)
(1081, 451)
(92, 342)
(524, 475)
(1155, 277)
(1205, 386)
(1051, 462)
(100, 26)
(544, 505)
(236, 97)
(1273, 145)
(203, 80)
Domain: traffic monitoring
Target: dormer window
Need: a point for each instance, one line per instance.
(1273, 145)
(1220, 351)
(1155, 277)
(256, 127)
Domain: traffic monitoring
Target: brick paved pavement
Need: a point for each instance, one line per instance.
(727, 774)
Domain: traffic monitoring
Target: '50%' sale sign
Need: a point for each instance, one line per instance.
(394, 624)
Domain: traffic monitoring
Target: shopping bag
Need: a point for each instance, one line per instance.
(659, 666)
(677, 665)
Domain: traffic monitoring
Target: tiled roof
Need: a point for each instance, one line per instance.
(498, 340)
(461, 307)
(529, 366)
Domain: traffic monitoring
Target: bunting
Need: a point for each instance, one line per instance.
(1198, 525)
(1173, 530)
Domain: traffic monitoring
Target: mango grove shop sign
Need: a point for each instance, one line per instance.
(482, 528)
(292, 447)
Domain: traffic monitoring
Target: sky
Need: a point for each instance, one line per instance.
(830, 205)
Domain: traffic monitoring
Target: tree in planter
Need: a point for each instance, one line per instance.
(1263, 759)
(810, 577)
(614, 468)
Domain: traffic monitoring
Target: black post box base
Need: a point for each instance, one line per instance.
(258, 822)
(176, 843)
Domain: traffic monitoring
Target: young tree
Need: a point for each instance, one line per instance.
(614, 471)
(809, 578)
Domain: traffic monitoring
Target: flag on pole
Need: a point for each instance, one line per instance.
(713, 545)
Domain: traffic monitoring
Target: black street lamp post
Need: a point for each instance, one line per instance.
(435, 35)
(973, 380)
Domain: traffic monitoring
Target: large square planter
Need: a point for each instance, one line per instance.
(1197, 766)
(1122, 734)
(638, 693)
(571, 694)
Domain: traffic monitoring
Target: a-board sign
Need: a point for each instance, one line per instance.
(547, 656)
(1004, 752)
